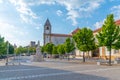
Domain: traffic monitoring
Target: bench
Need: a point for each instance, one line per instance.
(117, 61)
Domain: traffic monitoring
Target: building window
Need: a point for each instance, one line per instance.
(107, 51)
(116, 51)
(47, 28)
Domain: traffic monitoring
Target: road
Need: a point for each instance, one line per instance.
(59, 70)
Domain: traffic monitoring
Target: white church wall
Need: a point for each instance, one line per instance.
(47, 39)
(47, 31)
(58, 40)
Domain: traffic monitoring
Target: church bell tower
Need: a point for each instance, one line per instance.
(47, 32)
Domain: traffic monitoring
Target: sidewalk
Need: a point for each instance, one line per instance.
(2, 62)
(77, 61)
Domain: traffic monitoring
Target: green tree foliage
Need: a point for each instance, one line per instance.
(109, 36)
(17, 50)
(26, 50)
(42, 49)
(11, 49)
(48, 48)
(54, 51)
(2, 46)
(61, 49)
(32, 50)
(84, 40)
(69, 46)
(20, 50)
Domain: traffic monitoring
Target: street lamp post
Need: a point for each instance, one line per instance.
(28, 52)
(7, 53)
(14, 51)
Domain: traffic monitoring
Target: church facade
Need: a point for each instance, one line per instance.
(53, 37)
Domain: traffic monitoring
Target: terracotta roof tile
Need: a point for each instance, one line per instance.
(117, 22)
(76, 30)
(61, 35)
(99, 29)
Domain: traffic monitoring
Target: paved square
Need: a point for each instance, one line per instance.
(59, 70)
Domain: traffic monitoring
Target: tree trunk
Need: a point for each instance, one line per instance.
(83, 56)
(88, 55)
(60, 57)
(68, 56)
(110, 57)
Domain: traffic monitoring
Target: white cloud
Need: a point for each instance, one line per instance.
(99, 24)
(116, 11)
(1, 1)
(59, 12)
(79, 8)
(49, 2)
(12, 33)
(37, 28)
(72, 8)
(73, 17)
(39, 2)
(76, 8)
(26, 13)
(89, 6)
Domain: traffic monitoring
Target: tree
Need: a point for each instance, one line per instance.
(69, 46)
(19, 50)
(42, 49)
(2, 46)
(48, 48)
(61, 49)
(25, 49)
(54, 52)
(109, 36)
(32, 49)
(84, 40)
(11, 49)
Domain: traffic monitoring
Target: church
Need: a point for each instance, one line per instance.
(54, 38)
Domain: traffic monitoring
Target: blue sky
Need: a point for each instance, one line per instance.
(21, 21)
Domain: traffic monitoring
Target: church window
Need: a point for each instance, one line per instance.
(47, 28)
